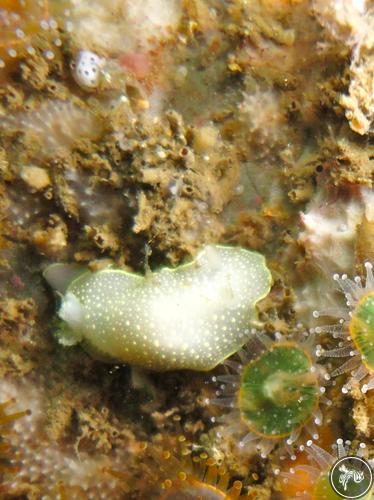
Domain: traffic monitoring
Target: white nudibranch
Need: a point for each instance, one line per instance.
(191, 317)
(87, 69)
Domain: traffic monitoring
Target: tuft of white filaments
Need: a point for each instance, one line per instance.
(57, 125)
(352, 22)
(353, 290)
(43, 463)
(190, 317)
(263, 114)
(87, 69)
(330, 231)
(115, 26)
(347, 20)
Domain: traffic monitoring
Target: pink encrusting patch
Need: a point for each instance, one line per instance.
(139, 63)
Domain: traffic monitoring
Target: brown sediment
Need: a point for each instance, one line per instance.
(364, 243)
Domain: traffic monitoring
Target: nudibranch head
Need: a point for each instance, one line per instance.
(190, 317)
(355, 328)
(274, 393)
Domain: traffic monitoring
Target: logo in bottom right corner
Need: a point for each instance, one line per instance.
(352, 477)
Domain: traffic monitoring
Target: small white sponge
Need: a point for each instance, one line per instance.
(193, 316)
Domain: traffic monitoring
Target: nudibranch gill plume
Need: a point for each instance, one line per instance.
(191, 317)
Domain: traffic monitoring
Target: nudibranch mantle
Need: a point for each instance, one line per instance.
(191, 317)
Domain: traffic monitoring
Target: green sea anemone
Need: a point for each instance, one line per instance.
(274, 393)
(278, 391)
(355, 328)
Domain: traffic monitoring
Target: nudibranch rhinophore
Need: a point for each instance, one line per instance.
(191, 317)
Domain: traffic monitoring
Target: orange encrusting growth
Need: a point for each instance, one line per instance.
(23, 15)
(303, 480)
(19, 21)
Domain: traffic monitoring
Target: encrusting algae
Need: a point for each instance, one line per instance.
(227, 147)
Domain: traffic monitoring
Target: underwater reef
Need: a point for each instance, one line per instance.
(186, 247)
